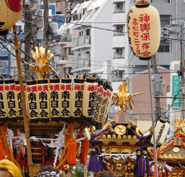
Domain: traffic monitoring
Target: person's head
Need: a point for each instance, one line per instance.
(9, 169)
(49, 171)
(106, 173)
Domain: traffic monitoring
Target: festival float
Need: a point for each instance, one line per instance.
(46, 121)
(171, 158)
(54, 107)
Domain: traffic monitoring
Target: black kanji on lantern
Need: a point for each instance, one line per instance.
(54, 112)
(78, 103)
(91, 112)
(97, 106)
(33, 105)
(43, 105)
(54, 104)
(65, 95)
(42, 96)
(1, 96)
(2, 113)
(77, 112)
(92, 103)
(43, 113)
(12, 112)
(92, 96)
(79, 95)
(1, 105)
(32, 97)
(103, 109)
(20, 105)
(10, 95)
(65, 104)
(11, 104)
(33, 113)
(65, 112)
(54, 95)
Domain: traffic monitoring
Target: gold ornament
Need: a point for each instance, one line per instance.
(41, 56)
(120, 129)
(176, 149)
(124, 99)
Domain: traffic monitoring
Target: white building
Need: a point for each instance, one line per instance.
(99, 34)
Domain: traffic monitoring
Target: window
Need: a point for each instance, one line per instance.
(168, 88)
(119, 30)
(70, 68)
(165, 20)
(119, 53)
(119, 7)
(4, 52)
(118, 75)
(75, 17)
(70, 52)
(88, 32)
(164, 47)
(65, 70)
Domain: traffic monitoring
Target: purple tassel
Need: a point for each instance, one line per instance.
(94, 164)
(141, 167)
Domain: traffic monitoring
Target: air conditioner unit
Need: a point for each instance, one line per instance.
(119, 51)
(119, 5)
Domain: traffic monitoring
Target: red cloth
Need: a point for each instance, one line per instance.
(14, 5)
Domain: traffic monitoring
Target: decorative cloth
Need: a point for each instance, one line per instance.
(49, 174)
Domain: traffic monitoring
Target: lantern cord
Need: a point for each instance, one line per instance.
(55, 71)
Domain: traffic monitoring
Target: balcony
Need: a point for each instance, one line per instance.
(81, 42)
(66, 38)
(81, 64)
(62, 62)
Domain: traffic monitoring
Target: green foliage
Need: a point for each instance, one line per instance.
(78, 172)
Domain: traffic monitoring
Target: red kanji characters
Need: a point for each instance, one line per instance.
(144, 18)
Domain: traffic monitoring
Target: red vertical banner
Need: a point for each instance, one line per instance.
(43, 100)
(55, 97)
(89, 99)
(77, 98)
(66, 89)
(32, 102)
(3, 102)
(11, 100)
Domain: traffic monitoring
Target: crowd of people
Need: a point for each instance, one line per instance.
(9, 169)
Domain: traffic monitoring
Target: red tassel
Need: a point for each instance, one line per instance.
(84, 151)
(71, 155)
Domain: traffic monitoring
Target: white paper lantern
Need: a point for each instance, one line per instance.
(143, 23)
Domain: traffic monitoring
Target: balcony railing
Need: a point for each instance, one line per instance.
(66, 38)
(80, 63)
(81, 40)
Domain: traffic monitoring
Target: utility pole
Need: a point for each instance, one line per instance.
(182, 71)
(46, 23)
(28, 36)
(157, 89)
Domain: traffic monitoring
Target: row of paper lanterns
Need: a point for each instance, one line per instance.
(64, 99)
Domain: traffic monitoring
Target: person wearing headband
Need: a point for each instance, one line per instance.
(9, 169)
(49, 171)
